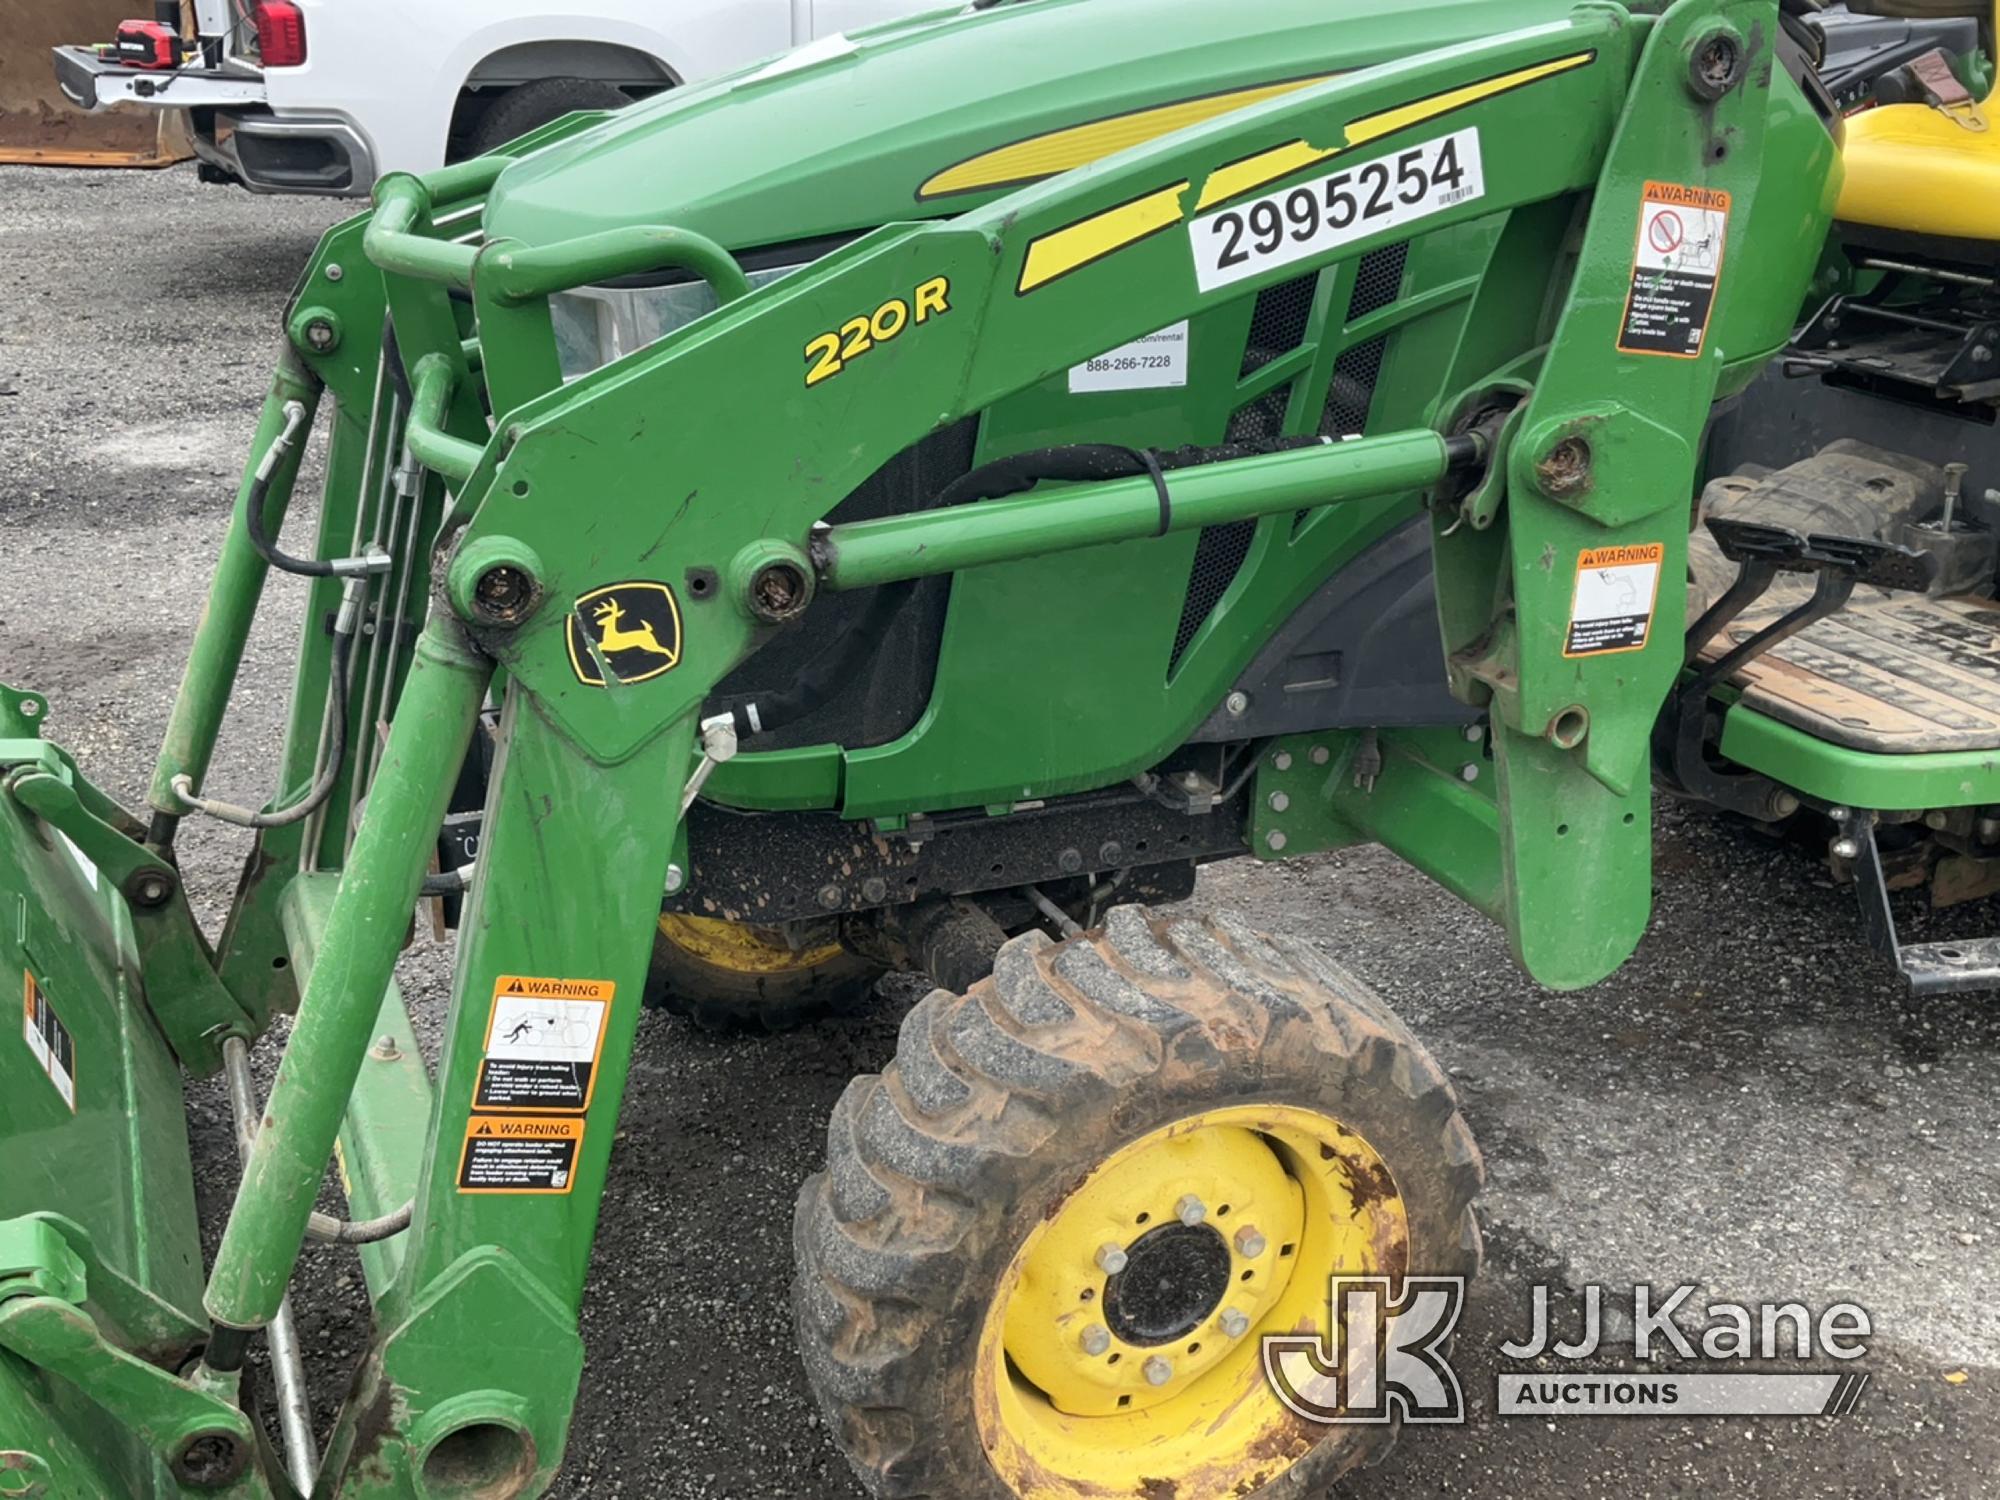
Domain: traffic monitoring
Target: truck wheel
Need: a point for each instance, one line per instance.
(1050, 1234)
(732, 976)
(529, 106)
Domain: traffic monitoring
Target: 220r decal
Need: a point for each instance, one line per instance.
(827, 354)
(1305, 221)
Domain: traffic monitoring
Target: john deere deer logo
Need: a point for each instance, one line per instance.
(624, 633)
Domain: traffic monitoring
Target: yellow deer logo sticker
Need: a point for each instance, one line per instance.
(624, 633)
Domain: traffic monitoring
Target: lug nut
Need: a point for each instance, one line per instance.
(1190, 1210)
(1250, 1242)
(1238, 704)
(1279, 802)
(1845, 848)
(1158, 1371)
(1468, 772)
(1321, 755)
(1096, 1340)
(1282, 760)
(676, 878)
(1275, 840)
(830, 897)
(1111, 1259)
(1234, 1323)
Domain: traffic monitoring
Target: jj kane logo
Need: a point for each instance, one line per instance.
(1386, 1357)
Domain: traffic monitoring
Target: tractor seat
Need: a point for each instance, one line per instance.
(1915, 169)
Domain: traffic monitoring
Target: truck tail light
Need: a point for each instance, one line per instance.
(281, 33)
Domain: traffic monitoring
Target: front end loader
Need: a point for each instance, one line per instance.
(909, 505)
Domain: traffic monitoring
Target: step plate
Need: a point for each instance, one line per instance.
(1890, 674)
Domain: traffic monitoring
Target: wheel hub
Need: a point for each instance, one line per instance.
(1175, 1277)
(1137, 1308)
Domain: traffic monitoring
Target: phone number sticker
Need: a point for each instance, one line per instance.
(1302, 222)
(1158, 360)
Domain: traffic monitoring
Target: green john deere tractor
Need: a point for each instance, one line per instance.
(910, 504)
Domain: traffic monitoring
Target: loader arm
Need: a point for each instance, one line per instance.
(610, 548)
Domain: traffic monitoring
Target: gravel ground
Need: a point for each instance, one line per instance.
(1748, 1105)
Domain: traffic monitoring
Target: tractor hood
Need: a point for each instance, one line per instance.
(932, 115)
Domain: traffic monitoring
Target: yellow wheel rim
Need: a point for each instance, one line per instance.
(740, 947)
(1216, 1230)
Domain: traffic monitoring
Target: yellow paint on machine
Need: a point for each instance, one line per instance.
(1078, 145)
(1281, 161)
(1076, 245)
(1090, 239)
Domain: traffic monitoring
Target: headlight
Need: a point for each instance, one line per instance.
(597, 324)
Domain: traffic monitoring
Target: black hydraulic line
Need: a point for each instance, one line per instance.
(823, 675)
(255, 525)
(1070, 463)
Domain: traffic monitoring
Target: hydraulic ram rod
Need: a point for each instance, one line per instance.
(433, 725)
(288, 1370)
(865, 553)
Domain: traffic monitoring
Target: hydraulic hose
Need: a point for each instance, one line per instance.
(1076, 462)
(340, 675)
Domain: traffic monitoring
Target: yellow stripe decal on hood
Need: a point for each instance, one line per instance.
(1078, 145)
(1281, 161)
(1077, 245)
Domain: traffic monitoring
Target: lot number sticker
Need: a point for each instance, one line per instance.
(48, 1039)
(1301, 222)
(543, 1040)
(519, 1154)
(1676, 270)
(1612, 608)
(1154, 362)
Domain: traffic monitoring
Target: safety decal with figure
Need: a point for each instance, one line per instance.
(1676, 270)
(543, 1038)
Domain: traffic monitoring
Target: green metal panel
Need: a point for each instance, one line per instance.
(1856, 778)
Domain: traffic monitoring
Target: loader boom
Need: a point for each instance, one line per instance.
(605, 551)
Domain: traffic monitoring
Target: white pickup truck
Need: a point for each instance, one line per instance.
(324, 96)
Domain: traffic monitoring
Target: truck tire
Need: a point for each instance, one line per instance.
(732, 976)
(529, 106)
(1050, 1232)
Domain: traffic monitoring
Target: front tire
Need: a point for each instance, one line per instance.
(529, 106)
(1050, 1233)
(736, 976)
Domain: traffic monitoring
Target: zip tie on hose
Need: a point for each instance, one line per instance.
(374, 560)
(344, 624)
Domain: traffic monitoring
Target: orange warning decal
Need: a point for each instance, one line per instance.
(543, 987)
(519, 1154)
(1676, 270)
(1611, 609)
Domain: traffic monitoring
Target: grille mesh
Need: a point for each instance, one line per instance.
(1262, 418)
(1218, 556)
(1378, 280)
(1278, 325)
